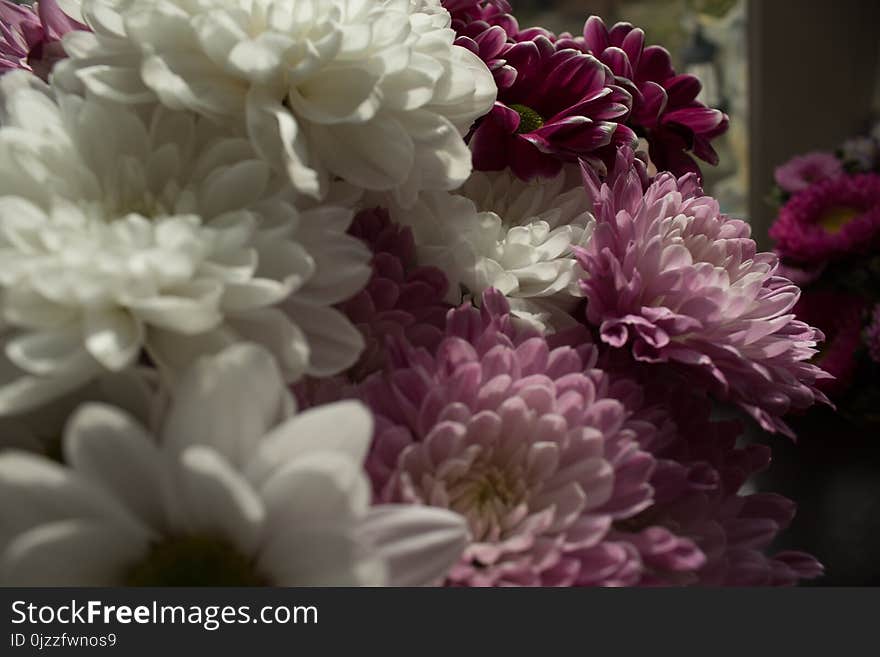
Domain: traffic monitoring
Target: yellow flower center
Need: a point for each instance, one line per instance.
(834, 219)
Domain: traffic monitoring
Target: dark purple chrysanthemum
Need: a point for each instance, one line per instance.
(665, 109)
(872, 335)
(561, 106)
(698, 498)
(30, 37)
(673, 281)
(831, 219)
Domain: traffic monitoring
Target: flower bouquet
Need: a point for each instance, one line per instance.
(334, 292)
(828, 237)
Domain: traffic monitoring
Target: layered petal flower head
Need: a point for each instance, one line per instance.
(375, 93)
(829, 220)
(665, 109)
(500, 232)
(563, 105)
(165, 238)
(30, 37)
(699, 500)
(520, 437)
(672, 280)
(804, 170)
(234, 491)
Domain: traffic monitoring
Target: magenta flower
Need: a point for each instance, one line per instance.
(839, 317)
(665, 109)
(562, 105)
(519, 436)
(831, 219)
(675, 282)
(802, 171)
(872, 335)
(30, 37)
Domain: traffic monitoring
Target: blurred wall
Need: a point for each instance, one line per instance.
(813, 75)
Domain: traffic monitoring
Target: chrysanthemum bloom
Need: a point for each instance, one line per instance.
(665, 109)
(30, 37)
(523, 440)
(563, 105)
(832, 219)
(233, 492)
(500, 232)
(672, 280)
(698, 498)
(372, 92)
(840, 318)
(805, 170)
(872, 335)
(163, 235)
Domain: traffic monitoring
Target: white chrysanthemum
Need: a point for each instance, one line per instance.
(120, 233)
(498, 231)
(372, 91)
(235, 491)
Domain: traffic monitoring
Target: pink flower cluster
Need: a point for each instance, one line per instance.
(30, 37)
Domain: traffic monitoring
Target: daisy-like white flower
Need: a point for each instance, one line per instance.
(500, 232)
(162, 236)
(234, 491)
(672, 280)
(517, 434)
(373, 92)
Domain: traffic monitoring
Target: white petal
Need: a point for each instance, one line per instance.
(114, 451)
(70, 553)
(419, 543)
(188, 309)
(334, 342)
(217, 499)
(34, 490)
(113, 337)
(345, 427)
(227, 402)
(273, 330)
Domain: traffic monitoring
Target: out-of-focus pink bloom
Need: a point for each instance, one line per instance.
(832, 219)
(30, 37)
(804, 170)
(840, 317)
(872, 335)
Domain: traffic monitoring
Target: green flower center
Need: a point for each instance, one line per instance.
(194, 561)
(529, 119)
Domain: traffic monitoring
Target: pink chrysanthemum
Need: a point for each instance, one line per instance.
(30, 37)
(561, 106)
(839, 316)
(665, 109)
(872, 335)
(672, 280)
(697, 494)
(402, 301)
(804, 170)
(831, 219)
(524, 440)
